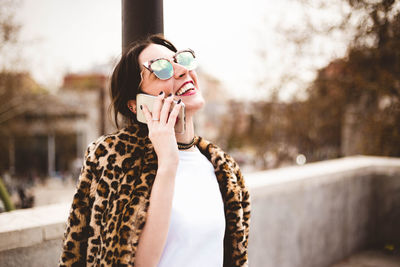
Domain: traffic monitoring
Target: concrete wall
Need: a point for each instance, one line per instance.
(314, 215)
(320, 213)
(32, 237)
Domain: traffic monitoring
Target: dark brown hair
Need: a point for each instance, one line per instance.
(125, 79)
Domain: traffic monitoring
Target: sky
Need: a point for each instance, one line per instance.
(72, 36)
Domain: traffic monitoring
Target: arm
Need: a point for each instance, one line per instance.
(76, 233)
(154, 234)
(162, 136)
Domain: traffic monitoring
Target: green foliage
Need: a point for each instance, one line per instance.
(5, 197)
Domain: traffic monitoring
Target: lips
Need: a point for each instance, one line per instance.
(189, 92)
(186, 89)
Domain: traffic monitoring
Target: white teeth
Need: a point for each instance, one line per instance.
(184, 89)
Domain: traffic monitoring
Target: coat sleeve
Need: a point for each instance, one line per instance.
(245, 204)
(240, 255)
(78, 231)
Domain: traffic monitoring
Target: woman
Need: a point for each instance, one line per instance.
(148, 196)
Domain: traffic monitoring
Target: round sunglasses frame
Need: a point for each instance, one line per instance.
(147, 64)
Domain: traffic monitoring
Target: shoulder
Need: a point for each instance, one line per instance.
(216, 155)
(119, 143)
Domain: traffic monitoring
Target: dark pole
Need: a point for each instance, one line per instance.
(140, 18)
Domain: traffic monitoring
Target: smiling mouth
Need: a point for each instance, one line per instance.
(185, 88)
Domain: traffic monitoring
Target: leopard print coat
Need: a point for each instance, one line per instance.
(109, 207)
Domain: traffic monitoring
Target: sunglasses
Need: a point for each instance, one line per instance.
(163, 68)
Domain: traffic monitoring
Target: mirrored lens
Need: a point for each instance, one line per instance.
(187, 60)
(162, 69)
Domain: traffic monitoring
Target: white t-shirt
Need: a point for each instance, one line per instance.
(197, 226)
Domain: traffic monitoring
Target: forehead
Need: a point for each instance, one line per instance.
(154, 51)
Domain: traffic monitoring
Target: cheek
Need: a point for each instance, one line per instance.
(154, 87)
(193, 75)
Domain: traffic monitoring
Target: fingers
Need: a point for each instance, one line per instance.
(157, 107)
(165, 109)
(161, 114)
(174, 114)
(146, 113)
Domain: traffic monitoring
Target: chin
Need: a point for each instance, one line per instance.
(194, 105)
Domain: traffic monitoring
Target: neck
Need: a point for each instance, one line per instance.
(186, 137)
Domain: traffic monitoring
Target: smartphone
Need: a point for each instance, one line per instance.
(148, 100)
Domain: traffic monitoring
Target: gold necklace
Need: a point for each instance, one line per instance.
(183, 146)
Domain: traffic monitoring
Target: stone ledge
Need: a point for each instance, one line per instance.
(27, 227)
(328, 169)
(318, 214)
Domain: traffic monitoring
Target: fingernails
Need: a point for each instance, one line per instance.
(169, 94)
(162, 92)
(141, 107)
(179, 101)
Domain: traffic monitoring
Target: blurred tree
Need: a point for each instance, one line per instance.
(352, 106)
(262, 130)
(11, 90)
(17, 89)
(8, 36)
(355, 101)
(9, 29)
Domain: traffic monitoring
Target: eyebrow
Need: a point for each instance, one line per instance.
(173, 56)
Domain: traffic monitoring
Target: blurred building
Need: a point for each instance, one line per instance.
(88, 92)
(49, 132)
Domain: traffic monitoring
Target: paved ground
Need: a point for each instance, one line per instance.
(370, 258)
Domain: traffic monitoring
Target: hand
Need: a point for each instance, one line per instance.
(161, 126)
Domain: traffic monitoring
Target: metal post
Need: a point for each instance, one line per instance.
(140, 18)
(51, 155)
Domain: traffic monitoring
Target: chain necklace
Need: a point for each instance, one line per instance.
(183, 146)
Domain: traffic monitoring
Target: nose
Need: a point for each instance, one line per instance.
(179, 71)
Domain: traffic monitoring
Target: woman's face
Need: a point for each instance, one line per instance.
(182, 78)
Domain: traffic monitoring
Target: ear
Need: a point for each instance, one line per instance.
(132, 105)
